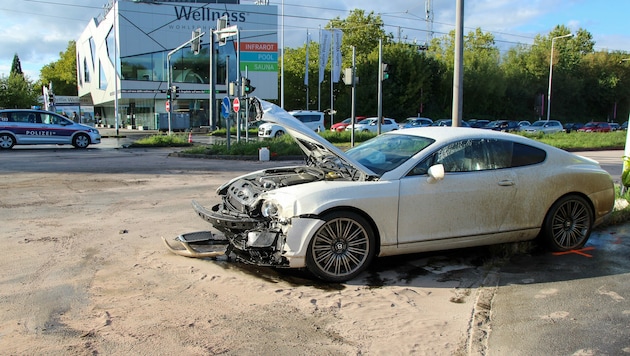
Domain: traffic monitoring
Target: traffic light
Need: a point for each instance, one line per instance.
(385, 69)
(168, 94)
(195, 45)
(174, 91)
(247, 88)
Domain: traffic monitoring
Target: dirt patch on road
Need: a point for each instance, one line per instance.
(84, 272)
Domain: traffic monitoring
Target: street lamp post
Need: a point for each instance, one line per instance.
(551, 72)
(626, 152)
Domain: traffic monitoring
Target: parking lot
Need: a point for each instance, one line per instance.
(85, 272)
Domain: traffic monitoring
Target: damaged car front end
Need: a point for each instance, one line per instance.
(259, 217)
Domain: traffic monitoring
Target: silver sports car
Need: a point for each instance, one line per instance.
(408, 191)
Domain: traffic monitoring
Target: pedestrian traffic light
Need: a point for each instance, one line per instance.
(247, 88)
(385, 70)
(168, 94)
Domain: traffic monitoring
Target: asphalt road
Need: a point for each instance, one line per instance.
(536, 303)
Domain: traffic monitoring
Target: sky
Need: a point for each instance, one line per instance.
(39, 30)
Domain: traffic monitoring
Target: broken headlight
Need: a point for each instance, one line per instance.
(270, 209)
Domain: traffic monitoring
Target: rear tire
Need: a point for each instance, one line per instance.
(568, 223)
(6, 141)
(341, 248)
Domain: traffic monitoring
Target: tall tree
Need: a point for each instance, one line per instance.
(361, 30)
(62, 73)
(16, 66)
(16, 92)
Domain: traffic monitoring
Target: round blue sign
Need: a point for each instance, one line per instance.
(226, 106)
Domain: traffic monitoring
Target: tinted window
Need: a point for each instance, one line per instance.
(23, 116)
(308, 118)
(524, 155)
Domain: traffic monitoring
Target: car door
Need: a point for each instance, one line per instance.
(57, 128)
(473, 198)
(27, 128)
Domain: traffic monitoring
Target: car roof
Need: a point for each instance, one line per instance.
(28, 110)
(447, 134)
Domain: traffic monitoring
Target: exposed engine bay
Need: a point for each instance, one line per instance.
(248, 221)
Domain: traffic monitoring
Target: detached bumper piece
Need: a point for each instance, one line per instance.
(201, 244)
(224, 220)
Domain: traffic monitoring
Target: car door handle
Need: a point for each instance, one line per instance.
(506, 182)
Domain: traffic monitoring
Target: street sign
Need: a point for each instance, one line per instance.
(225, 107)
(236, 104)
(168, 106)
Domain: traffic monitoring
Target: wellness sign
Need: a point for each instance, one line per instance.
(259, 56)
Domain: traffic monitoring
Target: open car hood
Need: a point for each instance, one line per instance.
(319, 151)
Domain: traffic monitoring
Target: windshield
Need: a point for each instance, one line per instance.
(539, 123)
(386, 152)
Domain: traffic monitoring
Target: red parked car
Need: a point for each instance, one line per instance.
(341, 126)
(596, 127)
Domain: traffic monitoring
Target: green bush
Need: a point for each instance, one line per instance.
(173, 140)
(281, 146)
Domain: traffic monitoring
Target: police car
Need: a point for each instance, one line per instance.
(36, 127)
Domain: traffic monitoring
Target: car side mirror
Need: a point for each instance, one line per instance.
(436, 173)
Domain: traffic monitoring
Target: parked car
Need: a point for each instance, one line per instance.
(502, 125)
(37, 127)
(596, 127)
(544, 126)
(624, 125)
(614, 126)
(448, 122)
(405, 191)
(415, 122)
(524, 123)
(572, 126)
(371, 125)
(255, 124)
(312, 119)
(341, 126)
(477, 123)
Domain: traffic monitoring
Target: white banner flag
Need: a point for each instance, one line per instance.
(336, 55)
(324, 50)
(308, 40)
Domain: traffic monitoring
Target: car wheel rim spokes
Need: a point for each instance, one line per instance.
(570, 224)
(5, 141)
(341, 247)
(82, 141)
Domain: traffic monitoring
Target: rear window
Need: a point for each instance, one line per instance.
(524, 155)
(308, 117)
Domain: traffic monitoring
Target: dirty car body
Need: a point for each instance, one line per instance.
(415, 190)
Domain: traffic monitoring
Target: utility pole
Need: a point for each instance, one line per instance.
(458, 74)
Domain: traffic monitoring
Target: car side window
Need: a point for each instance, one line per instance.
(49, 119)
(25, 117)
(461, 156)
(525, 155)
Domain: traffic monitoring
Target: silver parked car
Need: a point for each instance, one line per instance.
(544, 126)
(404, 191)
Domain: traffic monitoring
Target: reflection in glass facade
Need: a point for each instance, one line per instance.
(186, 66)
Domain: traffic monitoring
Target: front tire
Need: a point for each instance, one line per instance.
(341, 248)
(568, 223)
(81, 141)
(6, 141)
(280, 133)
